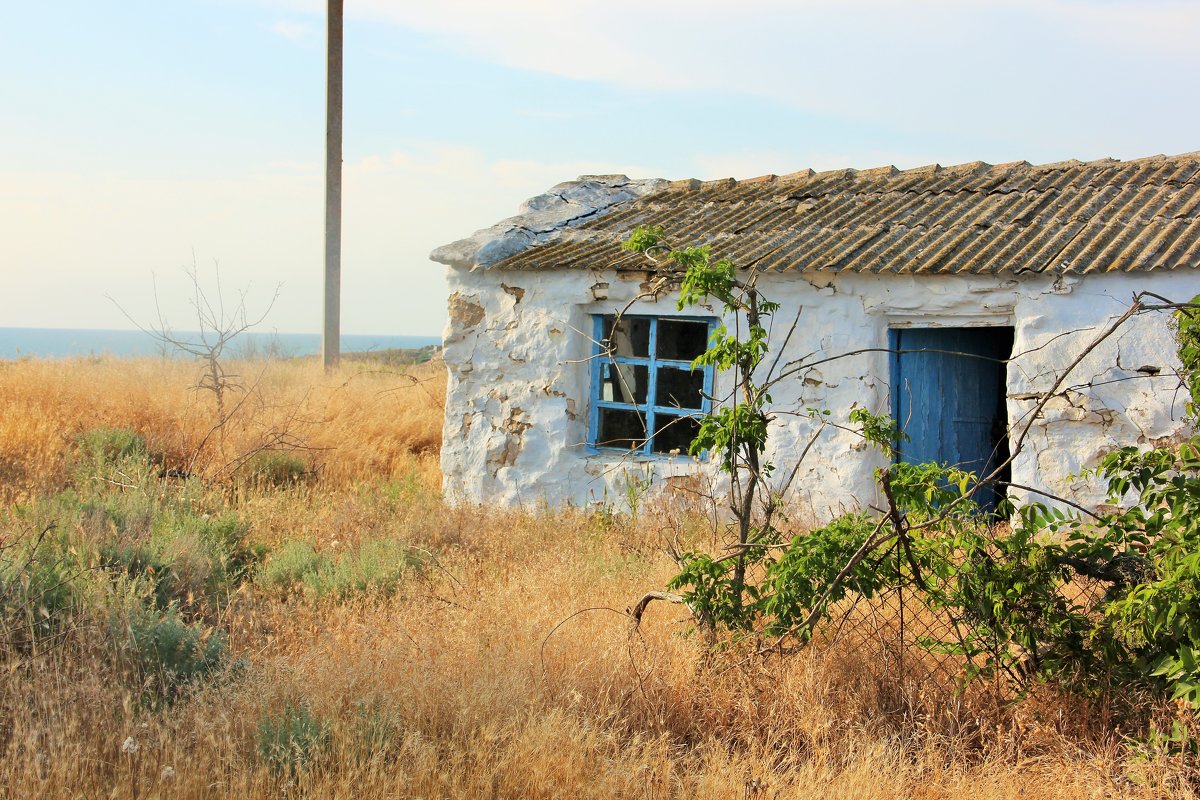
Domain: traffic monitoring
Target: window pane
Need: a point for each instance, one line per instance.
(681, 340)
(621, 428)
(674, 433)
(680, 388)
(624, 383)
(630, 337)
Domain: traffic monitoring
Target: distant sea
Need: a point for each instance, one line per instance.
(63, 342)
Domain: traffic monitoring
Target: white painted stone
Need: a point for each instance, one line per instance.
(517, 405)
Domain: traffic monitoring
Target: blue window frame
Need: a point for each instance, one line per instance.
(646, 398)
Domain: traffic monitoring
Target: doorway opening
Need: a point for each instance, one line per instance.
(949, 396)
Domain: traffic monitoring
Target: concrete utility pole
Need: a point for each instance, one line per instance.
(331, 334)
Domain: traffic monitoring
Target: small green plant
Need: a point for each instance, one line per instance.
(105, 457)
(38, 590)
(375, 566)
(288, 566)
(1187, 332)
(637, 483)
(291, 741)
(275, 468)
(168, 654)
(110, 446)
(878, 429)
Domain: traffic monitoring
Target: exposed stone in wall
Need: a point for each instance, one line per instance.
(513, 440)
(515, 292)
(465, 312)
(517, 407)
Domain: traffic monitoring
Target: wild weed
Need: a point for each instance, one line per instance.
(289, 742)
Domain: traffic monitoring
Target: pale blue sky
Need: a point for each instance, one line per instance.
(138, 132)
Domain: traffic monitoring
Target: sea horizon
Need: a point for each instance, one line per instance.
(16, 343)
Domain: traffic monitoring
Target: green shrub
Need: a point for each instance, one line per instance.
(111, 446)
(290, 564)
(377, 566)
(290, 742)
(102, 455)
(139, 565)
(222, 540)
(101, 512)
(37, 591)
(186, 560)
(168, 654)
(275, 468)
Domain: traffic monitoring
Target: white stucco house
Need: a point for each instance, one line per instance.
(1016, 266)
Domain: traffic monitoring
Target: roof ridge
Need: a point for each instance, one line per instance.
(969, 166)
(927, 169)
(796, 177)
(890, 170)
(1066, 164)
(961, 218)
(886, 171)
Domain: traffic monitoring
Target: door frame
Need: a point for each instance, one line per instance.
(895, 379)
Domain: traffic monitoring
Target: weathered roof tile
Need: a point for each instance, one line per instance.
(1070, 216)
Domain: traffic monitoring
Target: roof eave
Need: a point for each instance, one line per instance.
(542, 216)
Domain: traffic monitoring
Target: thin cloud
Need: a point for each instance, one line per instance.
(291, 30)
(1098, 75)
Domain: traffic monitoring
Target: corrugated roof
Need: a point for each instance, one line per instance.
(1098, 216)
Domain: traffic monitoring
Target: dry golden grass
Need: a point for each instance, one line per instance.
(365, 421)
(479, 678)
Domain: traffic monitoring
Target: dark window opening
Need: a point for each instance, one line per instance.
(646, 396)
(682, 339)
(622, 429)
(628, 337)
(675, 434)
(680, 388)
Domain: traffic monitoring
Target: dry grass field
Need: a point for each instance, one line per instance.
(318, 623)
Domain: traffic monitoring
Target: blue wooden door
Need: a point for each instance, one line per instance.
(948, 395)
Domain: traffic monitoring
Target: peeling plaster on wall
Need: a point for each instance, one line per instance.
(465, 312)
(516, 292)
(518, 393)
(513, 441)
(524, 381)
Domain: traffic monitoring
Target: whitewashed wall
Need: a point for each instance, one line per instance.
(517, 345)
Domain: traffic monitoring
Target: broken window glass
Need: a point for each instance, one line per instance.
(624, 383)
(646, 395)
(682, 340)
(622, 429)
(675, 434)
(680, 388)
(628, 337)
